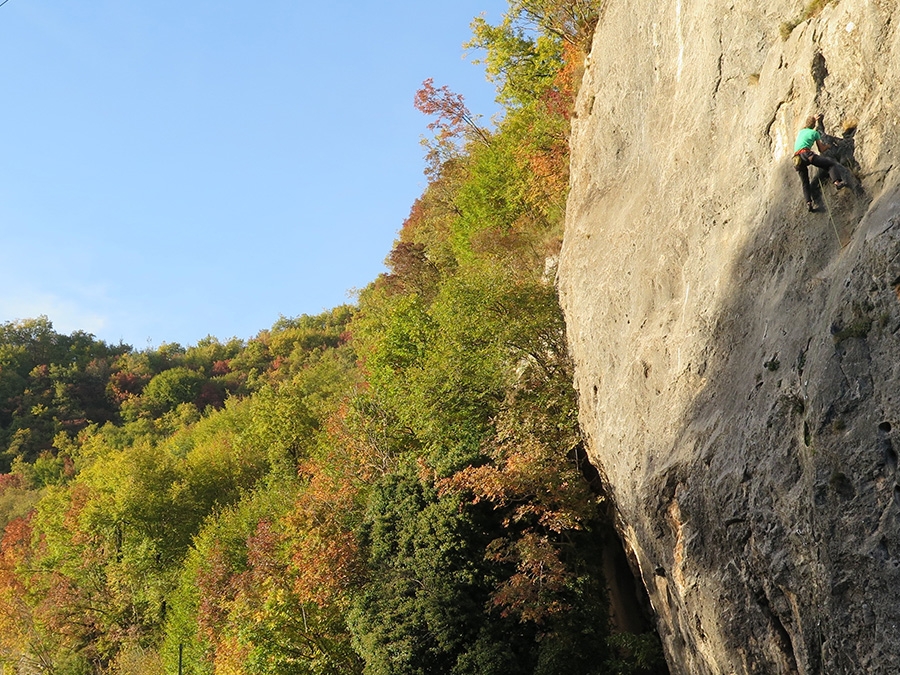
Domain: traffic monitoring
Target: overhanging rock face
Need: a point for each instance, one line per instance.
(737, 358)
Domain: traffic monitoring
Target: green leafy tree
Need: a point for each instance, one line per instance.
(423, 609)
(170, 388)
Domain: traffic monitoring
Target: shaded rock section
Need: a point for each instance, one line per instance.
(737, 358)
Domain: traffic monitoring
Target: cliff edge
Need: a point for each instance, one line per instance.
(738, 358)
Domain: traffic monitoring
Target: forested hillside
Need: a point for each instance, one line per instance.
(394, 487)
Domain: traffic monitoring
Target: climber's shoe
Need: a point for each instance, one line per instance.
(839, 184)
(811, 205)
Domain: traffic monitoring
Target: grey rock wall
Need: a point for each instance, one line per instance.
(737, 358)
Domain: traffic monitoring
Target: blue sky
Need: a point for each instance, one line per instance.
(172, 170)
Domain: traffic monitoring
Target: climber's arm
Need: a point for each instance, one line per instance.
(820, 127)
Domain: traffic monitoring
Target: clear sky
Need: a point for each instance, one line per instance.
(171, 170)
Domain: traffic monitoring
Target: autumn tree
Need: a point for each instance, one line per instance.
(453, 128)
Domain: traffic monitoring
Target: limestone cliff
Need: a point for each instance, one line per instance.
(737, 358)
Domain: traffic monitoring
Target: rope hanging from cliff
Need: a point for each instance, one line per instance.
(830, 217)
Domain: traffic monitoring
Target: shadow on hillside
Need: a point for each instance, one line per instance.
(758, 507)
(842, 150)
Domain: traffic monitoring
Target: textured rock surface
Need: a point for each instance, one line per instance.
(738, 370)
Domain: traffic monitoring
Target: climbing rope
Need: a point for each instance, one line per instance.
(828, 208)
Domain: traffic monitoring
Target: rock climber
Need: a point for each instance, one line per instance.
(812, 132)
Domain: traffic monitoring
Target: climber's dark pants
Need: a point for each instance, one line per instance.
(803, 159)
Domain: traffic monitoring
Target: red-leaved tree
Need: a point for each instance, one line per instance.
(454, 125)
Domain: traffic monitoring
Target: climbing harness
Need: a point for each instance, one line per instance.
(800, 157)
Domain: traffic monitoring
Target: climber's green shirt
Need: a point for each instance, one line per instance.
(806, 138)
